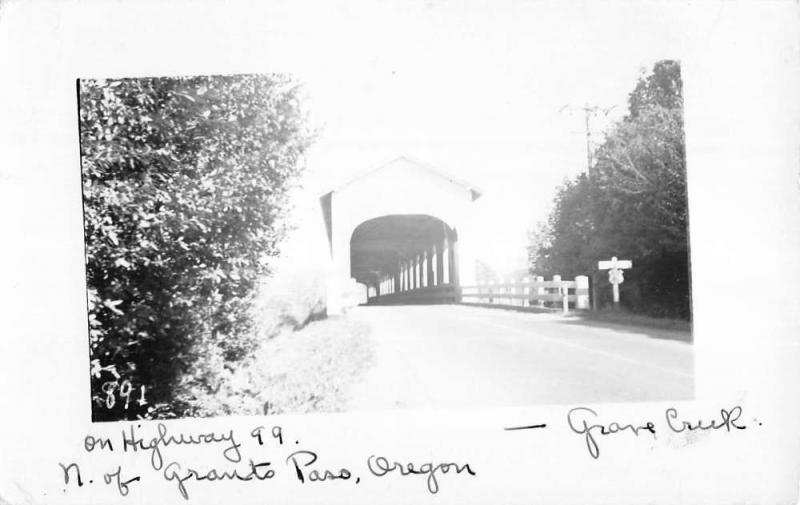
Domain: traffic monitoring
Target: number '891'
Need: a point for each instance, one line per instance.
(117, 391)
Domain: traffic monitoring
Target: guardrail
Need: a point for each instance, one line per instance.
(531, 293)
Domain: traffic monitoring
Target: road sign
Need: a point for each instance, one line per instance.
(614, 264)
(615, 276)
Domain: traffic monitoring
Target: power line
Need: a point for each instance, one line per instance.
(588, 112)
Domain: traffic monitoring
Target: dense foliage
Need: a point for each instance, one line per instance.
(184, 185)
(632, 204)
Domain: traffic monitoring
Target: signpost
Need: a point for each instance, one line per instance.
(615, 277)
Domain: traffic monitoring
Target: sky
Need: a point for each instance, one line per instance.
(476, 89)
(473, 87)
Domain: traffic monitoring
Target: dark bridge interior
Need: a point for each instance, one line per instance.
(405, 259)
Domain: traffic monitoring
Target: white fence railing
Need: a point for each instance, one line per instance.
(531, 292)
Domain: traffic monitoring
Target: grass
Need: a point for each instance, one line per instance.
(619, 316)
(664, 328)
(301, 361)
(310, 369)
(620, 320)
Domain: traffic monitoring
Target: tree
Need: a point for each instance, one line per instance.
(184, 184)
(561, 244)
(662, 87)
(633, 205)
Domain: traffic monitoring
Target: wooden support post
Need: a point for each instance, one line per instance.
(437, 273)
(559, 291)
(454, 263)
(515, 290)
(445, 262)
(540, 291)
(581, 292)
(429, 275)
(417, 272)
(526, 290)
(424, 268)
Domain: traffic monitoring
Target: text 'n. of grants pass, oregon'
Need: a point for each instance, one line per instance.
(265, 453)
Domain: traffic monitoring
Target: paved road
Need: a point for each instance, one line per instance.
(458, 356)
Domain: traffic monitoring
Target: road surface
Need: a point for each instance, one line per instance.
(458, 356)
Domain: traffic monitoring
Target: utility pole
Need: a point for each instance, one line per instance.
(588, 112)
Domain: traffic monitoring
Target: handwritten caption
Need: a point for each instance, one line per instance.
(586, 422)
(299, 464)
(242, 456)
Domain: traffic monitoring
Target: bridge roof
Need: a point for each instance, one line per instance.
(325, 199)
(474, 190)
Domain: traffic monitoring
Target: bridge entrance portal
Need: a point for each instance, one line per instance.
(406, 259)
(403, 230)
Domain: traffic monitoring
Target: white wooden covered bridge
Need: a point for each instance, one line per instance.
(400, 230)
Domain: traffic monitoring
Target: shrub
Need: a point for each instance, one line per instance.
(184, 185)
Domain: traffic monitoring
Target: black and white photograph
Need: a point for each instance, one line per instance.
(243, 259)
(399, 251)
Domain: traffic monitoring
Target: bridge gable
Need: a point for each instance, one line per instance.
(403, 186)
